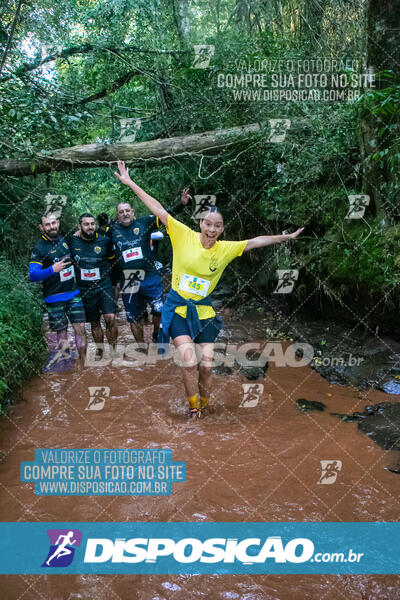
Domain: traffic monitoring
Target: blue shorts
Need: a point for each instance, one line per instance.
(149, 292)
(210, 329)
(60, 312)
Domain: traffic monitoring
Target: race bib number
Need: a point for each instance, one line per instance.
(132, 254)
(90, 274)
(194, 285)
(67, 273)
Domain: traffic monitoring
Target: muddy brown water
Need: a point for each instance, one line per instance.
(243, 464)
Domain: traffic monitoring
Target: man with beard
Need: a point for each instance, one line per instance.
(51, 263)
(141, 283)
(92, 256)
(136, 249)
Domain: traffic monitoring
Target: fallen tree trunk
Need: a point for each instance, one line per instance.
(100, 155)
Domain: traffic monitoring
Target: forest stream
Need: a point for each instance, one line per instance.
(256, 459)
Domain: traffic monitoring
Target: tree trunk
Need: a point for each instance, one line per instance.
(100, 155)
(180, 11)
(382, 53)
(184, 20)
(313, 15)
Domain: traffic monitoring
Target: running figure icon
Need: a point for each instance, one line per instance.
(62, 549)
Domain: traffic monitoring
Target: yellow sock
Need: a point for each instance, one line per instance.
(204, 401)
(193, 402)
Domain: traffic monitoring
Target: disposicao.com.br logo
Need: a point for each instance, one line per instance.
(248, 551)
(188, 550)
(198, 547)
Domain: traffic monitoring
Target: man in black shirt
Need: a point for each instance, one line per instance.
(92, 256)
(105, 228)
(140, 268)
(51, 263)
(141, 283)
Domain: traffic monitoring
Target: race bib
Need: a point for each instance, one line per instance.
(132, 254)
(90, 274)
(67, 273)
(194, 285)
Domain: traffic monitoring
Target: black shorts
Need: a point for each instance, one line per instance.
(210, 329)
(97, 302)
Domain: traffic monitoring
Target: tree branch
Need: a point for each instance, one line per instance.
(150, 153)
(75, 50)
(118, 83)
(16, 17)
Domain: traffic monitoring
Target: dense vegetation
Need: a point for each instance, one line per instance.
(22, 347)
(72, 70)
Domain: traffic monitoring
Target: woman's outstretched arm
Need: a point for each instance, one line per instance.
(269, 240)
(152, 204)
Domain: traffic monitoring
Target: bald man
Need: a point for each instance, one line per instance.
(141, 282)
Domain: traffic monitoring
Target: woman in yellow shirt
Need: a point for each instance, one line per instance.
(199, 260)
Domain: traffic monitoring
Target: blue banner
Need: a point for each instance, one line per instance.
(196, 548)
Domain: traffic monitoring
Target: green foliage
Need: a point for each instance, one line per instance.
(261, 187)
(382, 105)
(363, 260)
(22, 346)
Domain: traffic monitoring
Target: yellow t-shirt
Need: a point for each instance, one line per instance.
(196, 270)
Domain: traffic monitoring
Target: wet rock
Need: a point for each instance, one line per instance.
(393, 469)
(380, 422)
(331, 374)
(348, 418)
(254, 372)
(383, 425)
(370, 370)
(236, 333)
(372, 409)
(358, 359)
(307, 405)
(222, 370)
